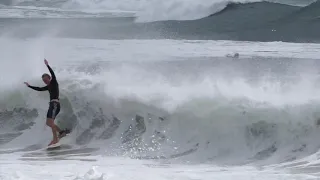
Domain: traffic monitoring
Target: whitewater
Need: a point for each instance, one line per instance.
(155, 90)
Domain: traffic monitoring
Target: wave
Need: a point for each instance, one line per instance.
(258, 21)
(215, 130)
(145, 11)
(173, 114)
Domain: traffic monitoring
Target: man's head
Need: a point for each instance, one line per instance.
(46, 78)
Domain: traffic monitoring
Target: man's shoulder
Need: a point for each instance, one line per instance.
(53, 81)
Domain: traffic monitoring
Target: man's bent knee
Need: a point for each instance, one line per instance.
(50, 122)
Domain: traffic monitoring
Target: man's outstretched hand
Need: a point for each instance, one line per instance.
(46, 62)
(27, 84)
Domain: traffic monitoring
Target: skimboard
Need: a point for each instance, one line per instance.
(54, 146)
(63, 140)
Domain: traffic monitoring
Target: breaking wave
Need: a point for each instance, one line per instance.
(145, 116)
(253, 21)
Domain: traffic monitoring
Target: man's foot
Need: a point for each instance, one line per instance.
(53, 142)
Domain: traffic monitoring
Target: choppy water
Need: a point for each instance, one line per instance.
(150, 92)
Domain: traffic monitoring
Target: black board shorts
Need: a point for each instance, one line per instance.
(54, 109)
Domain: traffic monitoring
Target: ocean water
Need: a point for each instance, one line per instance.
(153, 90)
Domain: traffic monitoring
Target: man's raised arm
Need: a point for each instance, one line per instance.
(53, 76)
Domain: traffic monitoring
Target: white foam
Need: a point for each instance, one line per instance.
(128, 80)
(122, 168)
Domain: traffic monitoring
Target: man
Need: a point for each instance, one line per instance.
(54, 105)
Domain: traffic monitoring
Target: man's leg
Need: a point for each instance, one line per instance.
(54, 109)
(54, 128)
